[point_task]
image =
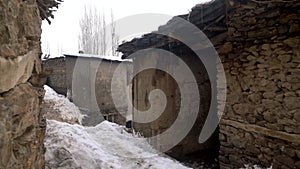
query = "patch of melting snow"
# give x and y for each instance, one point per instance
(67, 110)
(255, 167)
(105, 146)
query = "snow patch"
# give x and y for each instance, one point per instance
(255, 167)
(106, 145)
(59, 105)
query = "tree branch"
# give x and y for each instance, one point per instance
(46, 8)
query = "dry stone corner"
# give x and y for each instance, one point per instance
(22, 127)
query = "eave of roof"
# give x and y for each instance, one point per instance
(99, 57)
(212, 13)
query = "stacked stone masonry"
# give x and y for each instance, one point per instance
(21, 88)
(261, 59)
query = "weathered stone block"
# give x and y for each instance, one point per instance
(297, 164)
(16, 71)
(287, 18)
(243, 109)
(270, 117)
(269, 95)
(297, 115)
(270, 104)
(290, 94)
(255, 98)
(292, 102)
(22, 141)
(285, 160)
(292, 42)
(294, 78)
(290, 152)
(294, 28)
(252, 149)
(284, 58)
(226, 48)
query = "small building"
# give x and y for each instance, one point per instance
(162, 62)
(87, 81)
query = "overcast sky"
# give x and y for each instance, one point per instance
(62, 35)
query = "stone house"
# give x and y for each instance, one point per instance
(258, 44)
(86, 80)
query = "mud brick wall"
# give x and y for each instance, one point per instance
(261, 58)
(21, 87)
(103, 85)
(61, 72)
(93, 76)
(147, 80)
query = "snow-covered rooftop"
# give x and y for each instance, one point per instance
(107, 58)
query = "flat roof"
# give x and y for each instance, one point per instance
(101, 57)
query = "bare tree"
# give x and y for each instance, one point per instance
(103, 39)
(114, 36)
(93, 33)
(46, 54)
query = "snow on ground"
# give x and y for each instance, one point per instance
(255, 167)
(59, 107)
(105, 146)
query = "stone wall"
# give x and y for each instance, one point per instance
(261, 58)
(21, 87)
(57, 76)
